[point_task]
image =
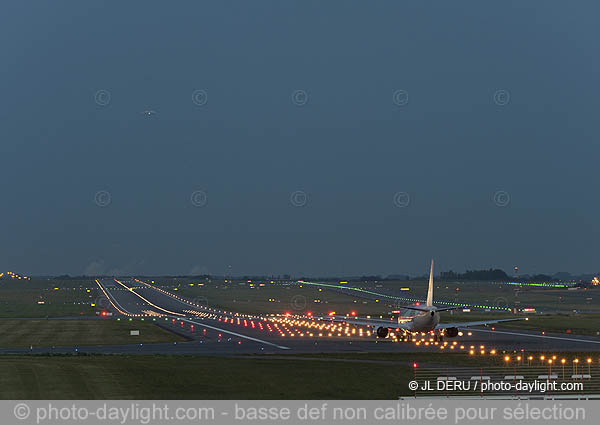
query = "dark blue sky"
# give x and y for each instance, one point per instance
(484, 113)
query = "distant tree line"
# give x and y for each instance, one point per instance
(489, 274)
(537, 278)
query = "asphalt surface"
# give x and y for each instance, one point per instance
(217, 332)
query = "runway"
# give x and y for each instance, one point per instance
(216, 332)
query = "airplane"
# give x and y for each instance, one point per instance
(427, 319)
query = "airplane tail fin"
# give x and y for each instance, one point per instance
(430, 291)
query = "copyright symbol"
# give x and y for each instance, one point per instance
(22, 411)
(199, 198)
(501, 198)
(199, 97)
(413, 385)
(299, 98)
(102, 198)
(501, 97)
(102, 97)
(298, 302)
(299, 198)
(401, 199)
(201, 302)
(400, 97)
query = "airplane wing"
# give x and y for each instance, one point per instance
(371, 322)
(482, 322)
(447, 308)
(412, 307)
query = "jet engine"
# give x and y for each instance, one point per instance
(383, 332)
(451, 332)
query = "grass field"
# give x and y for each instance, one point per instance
(60, 298)
(48, 333)
(333, 376)
(463, 359)
(187, 377)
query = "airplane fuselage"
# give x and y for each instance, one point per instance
(425, 321)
